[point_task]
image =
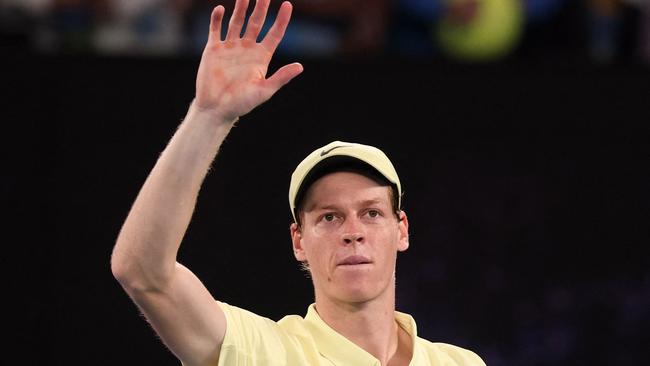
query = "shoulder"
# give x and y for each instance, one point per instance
(448, 353)
(236, 315)
(244, 324)
(245, 328)
(252, 339)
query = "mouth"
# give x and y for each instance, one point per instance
(354, 260)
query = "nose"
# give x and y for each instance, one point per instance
(350, 238)
(352, 232)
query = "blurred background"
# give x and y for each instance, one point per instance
(519, 129)
(598, 31)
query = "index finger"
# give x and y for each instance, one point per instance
(276, 33)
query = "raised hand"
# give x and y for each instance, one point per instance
(231, 79)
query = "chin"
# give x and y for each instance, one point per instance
(358, 295)
(355, 288)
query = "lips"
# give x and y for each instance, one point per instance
(354, 260)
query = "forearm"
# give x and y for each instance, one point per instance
(146, 249)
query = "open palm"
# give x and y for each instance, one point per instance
(231, 80)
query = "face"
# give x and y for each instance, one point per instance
(350, 237)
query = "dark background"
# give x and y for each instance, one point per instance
(526, 184)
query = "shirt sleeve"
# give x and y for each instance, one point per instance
(251, 339)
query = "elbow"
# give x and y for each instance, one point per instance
(125, 274)
(134, 274)
(124, 267)
(119, 268)
(119, 260)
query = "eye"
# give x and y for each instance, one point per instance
(373, 213)
(328, 217)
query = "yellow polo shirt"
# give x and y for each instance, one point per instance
(295, 341)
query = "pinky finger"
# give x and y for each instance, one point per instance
(215, 23)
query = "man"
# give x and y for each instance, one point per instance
(345, 199)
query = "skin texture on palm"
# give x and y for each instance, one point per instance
(231, 79)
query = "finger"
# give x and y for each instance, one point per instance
(281, 77)
(275, 34)
(256, 20)
(237, 20)
(215, 24)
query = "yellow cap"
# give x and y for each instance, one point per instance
(366, 154)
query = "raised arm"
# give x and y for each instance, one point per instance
(231, 81)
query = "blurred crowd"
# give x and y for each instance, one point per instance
(467, 30)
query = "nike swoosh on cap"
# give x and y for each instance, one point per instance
(325, 152)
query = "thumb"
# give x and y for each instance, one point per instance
(282, 76)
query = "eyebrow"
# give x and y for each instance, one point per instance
(369, 202)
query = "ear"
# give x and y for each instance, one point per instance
(296, 240)
(403, 226)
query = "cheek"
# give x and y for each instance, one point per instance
(319, 263)
(389, 245)
(315, 249)
(325, 232)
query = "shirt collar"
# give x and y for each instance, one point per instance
(408, 324)
(342, 351)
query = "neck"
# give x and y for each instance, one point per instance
(370, 325)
